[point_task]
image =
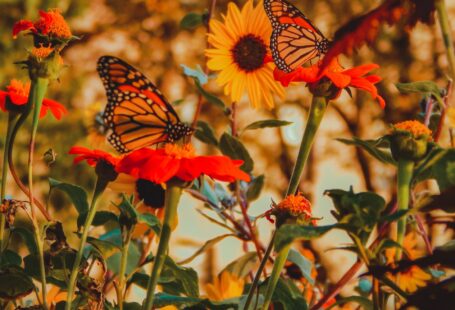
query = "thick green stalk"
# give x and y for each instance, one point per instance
(38, 89)
(446, 35)
(405, 168)
(99, 188)
(317, 110)
(9, 130)
(122, 271)
(173, 193)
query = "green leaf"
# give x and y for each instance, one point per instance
(151, 221)
(191, 20)
(28, 237)
(207, 245)
(15, 283)
(372, 148)
(232, 147)
(287, 233)
(288, 295)
(210, 97)
(364, 302)
(255, 187)
(9, 258)
(269, 123)
(164, 299)
(422, 87)
(303, 263)
(443, 170)
(205, 133)
(131, 306)
(197, 73)
(101, 218)
(106, 248)
(77, 194)
(186, 279)
(242, 265)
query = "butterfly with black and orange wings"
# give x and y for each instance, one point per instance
(295, 40)
(137, 114)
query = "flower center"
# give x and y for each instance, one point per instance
(42, 51)
(151, 193)
(19, 88)
(416, 128)
(249, 52)
(177, 151)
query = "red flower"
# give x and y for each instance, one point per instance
(340, 77)
(51, 23)
(161, 165)
(93, 157)
(17, 95)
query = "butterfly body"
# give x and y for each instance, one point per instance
(137, 114)
(295, 40)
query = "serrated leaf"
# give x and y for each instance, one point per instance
(191, 21)
(372, 148)
(205, 133)
(304, 264)
(422, 87)
(268, 123)
(210, 97)
(255, 187)
(197, 73)
(233, 148)
(207, 245)
(287, 233)
(76, 193)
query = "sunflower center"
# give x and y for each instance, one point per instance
(249, 52)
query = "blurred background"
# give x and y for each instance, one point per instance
(146, 33)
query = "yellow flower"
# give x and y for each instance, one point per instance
(413, 278)
(225, 286)
(240, 51)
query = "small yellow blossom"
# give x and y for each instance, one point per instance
(225, 286)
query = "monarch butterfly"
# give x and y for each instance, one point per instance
(295, 40)
(137, 114)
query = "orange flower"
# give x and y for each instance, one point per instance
(342, 78)
(93, 157)
(42, 51)
(160, 165)
(414, 127)
(50, 23)
(226, 286)
(16, 97)
(295, 205)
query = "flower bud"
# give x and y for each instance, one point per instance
(293, 209)
(409, 140)
(105, 171)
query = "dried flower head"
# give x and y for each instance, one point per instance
(295, 205)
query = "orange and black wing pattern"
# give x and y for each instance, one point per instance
(137, 114)
(295, 40)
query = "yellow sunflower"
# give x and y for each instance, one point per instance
(240, 51)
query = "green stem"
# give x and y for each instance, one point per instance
(446, 35)
(38, 89)
(173, 193)
(9, 130)
(405, 169)
(99, 188)
(123, 261)
(317, 110)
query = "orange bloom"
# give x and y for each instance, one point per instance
(295, 205)
(42, 51)
(342, 78)
(414, 127)
(226, 286)
(160, 165)
(93, 157)
(16, 97)
(50, 23)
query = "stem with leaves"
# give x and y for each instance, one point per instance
(99, 189)
(317, 110)
(38, 89)
(124, 259)
(172, 198)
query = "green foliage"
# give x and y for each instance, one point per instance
(422, 87)
(15, 283)
(304, 264)
(205, 133)
(232, 147)
(76, 193)
(255, 187)
(287, 233)
(242, 265)
(372, 147)
(192, 20)
(269, 123)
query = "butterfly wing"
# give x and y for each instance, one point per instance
(295, 40)
(137, 113)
